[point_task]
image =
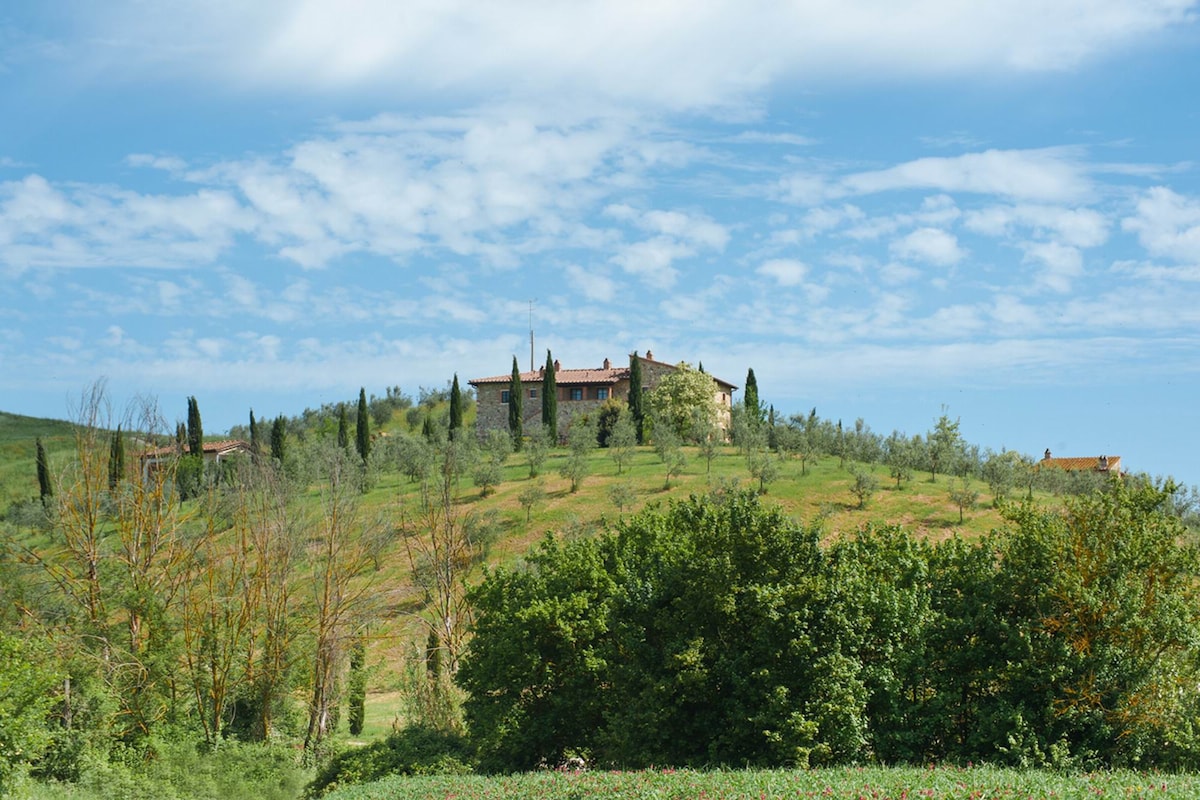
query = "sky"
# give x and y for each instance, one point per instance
(890, 210)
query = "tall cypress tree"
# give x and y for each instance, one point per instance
(358, 686)
(116, 460)
(279, 438)
(516, 419)
(636, 409)
(754, 411)
(45, 487)
(550, 401)
(195, 431)
(362, 436)
(343, 434)
(256, 438)
(456, 411)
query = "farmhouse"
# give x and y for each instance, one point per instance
(1108, 465)
(579, 392)
(213, 452)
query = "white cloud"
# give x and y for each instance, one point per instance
(594, 286)
(784, 271)
(1167, 224)
(1060, 264)
(1048, 175)
(931, 245)
(700, 54)
(1076, 227)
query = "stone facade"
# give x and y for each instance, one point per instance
(580, 391)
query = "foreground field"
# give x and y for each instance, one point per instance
(881, 783)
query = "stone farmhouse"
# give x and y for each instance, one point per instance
(579, 391)
(212, 452)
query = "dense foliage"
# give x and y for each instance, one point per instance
(719, 632)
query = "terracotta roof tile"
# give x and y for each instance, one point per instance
(1083, 464)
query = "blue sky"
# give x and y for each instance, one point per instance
(884, 208)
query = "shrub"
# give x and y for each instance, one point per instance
(415, 750)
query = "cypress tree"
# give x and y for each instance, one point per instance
(343, 434)
(550, 401)
(636, 409)
(45, 488)
(427, 429)
(180, 437)
(255, 438)
(516, 423)
(279, 438)
(362, 437)
(754, 412)
(456, 412)
(116, 460)
(358, 687)
(195, 431)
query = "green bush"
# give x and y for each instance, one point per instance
(416, 750)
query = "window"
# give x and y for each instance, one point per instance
(602, 393)
(576, 392)
(533, 394)
(504, 396)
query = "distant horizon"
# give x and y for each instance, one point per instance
(884, 210)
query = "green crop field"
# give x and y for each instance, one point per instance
(877, 783)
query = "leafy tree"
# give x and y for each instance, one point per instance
(343, 431)
(195, 431)
(581, 438)
(456, 409)
(45, 484)
(754, 410)
(532, 495)
(1001, 471)
(623, 495)
(537, 447)
(709, 438)
(26, 698)
(362, 428)
(622, 440)
(670, 450)
(516, 419)
(608, 414)
(681, 399)
(944, 446)
(763, 467)
(704, 634)
(965, 496)
(637, 411)
(489, 470)
(550, 401)
(865, 485)
(899, 457)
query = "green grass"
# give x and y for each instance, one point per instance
(18, 453)
(940, 783)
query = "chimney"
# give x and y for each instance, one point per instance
(1047, 456)
(649, 355)
(556, 365)
(607, 364)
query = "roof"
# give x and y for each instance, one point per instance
(208, 448)
(1094, 463)
(591, 377)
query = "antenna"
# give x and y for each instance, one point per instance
(531, 366)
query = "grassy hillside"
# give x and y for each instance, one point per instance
(817, 493)
(18, 452)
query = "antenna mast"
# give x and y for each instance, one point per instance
(531, 366)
